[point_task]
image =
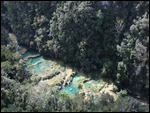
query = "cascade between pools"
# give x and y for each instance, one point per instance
(41, 66)
(38, 65)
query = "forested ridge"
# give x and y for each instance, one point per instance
(106, 37)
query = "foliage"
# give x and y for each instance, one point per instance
(133, 69)
(109, 37)
(12, 65)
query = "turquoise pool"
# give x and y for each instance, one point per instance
(76, 76)
(72, 88)
(39, 68)
(44, 66)
(95, 82)
(36, 68)
(29, 60)
(34, 60)
(87, 84)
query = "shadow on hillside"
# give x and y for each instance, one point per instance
(93, 75)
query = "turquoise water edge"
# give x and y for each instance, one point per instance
(39, 65)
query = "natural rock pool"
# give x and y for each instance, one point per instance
(29, 53)
(43, 66)
(73, 87)
(34, 60)
(39, 65)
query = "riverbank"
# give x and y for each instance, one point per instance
(66, 76)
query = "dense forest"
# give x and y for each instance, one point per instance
(110, 38)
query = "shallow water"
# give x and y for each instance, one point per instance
(87, 84)
(95, 82)
(34, 60)
(36, 68)
(44, 66)
(40, 67)
(72, 86)
(29, 60)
